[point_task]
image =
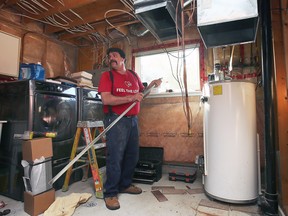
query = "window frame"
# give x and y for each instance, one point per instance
(170, 46)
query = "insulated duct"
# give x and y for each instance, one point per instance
(159, 17)
(226, 22)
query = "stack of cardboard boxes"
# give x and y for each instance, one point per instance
(38, 195)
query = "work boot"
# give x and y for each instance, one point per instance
(132, 189)
(112, 203)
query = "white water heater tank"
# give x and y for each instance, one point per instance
(230, 141)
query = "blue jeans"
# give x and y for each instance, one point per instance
(122, 142)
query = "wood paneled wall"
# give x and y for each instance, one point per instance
(57, 58)
(279, 22)
(163, 123)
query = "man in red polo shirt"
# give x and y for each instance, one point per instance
(119, 89)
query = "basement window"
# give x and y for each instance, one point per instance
(168, 65)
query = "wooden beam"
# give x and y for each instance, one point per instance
(57, 8)
(122, 29)
(280, 33)
(100, 28)
(7, 3)
(124, 24)
(91, 14)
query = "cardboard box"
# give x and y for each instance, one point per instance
(37, 204)
(36, 148)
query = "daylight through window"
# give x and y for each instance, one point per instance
(168, 65)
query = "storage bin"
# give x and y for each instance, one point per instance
(31, 71)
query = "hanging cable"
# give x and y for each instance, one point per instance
(48, 3)
(39, 4)
(54, 22)
(178, 69)
(80, 28)
(77, 15)
(61, 2)
(189, 114)
(128, 5)
(94, 40)
(66, 17)
(22, 15)
(118, 10)
(193, 7)
(27, 7)
(59, 17)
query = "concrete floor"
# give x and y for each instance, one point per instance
(195, 203)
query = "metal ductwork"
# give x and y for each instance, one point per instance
(138, 30)
(159, 17)
(226, 22)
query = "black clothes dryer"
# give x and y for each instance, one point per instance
(90, 108)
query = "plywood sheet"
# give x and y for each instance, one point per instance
(56, 58)
(163, 124)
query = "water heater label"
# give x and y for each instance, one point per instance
(217, 90)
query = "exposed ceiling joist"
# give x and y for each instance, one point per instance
(94, 13)
(78, 21)
(56, 7)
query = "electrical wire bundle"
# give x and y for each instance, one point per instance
(60, 20)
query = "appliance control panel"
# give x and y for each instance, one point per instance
(47, 87)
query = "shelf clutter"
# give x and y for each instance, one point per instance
(83, 78)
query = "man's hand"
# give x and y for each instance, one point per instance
(138, 97)
(156, 82)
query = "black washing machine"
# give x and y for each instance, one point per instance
(35, 106)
